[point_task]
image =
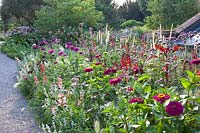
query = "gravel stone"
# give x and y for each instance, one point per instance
(15, 117)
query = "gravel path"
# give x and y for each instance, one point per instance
(14, 114)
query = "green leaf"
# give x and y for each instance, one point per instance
(190, 75)
(144, 77)
(186, 84)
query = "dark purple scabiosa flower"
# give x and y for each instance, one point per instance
(161, 98)
(51, 51)
(136, 100)
(109, 71)
(88, 69)
(60, 53)
(75, 49)
(55, 40)
(174, 109)
(81, 53)
(115, 81)
(195, 61)
(42, 48)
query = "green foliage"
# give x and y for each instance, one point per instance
(17, 46)
(131, 23)
(19, 11)
(58, 14)
(168, 12)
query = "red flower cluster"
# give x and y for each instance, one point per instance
(88, 69)
(136, 100)
(115, 81)
(126, 61)
(161, 98)
(161, 48)
(174, 109)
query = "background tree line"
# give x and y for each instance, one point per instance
(55, 14)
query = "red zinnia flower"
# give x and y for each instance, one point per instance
(161, 98)
(115, 81)
(136, 100)
(130, 89)
(89, 69)
(174, 108)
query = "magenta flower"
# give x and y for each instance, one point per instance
(195, 61)
(109, 71)
(136, 100)
(60, 53)
(51, 51)
(115, 81)
(88, 69)
(174, 109)
(75, 49)
(161, 98)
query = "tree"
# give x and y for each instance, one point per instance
(23, 11)
(63, 13)
(167, 12)
(110, 12)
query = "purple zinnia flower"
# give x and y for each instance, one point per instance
(42, 48)
(174, 109)
(161, 98)
(35, 46)
(51, 51)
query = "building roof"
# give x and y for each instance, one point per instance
(188, 23)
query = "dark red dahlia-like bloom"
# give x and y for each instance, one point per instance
(161, 98)
(136, 100)
(98, 56)
(174, 109)
(195, 61)
(115, 81)
(98, 63)
(88, 69)
(109, 71)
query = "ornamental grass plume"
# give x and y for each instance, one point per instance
(136, 100)
(115, 81)
(174, 109)
(161, 98)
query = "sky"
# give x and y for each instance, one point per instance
(120, 2)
